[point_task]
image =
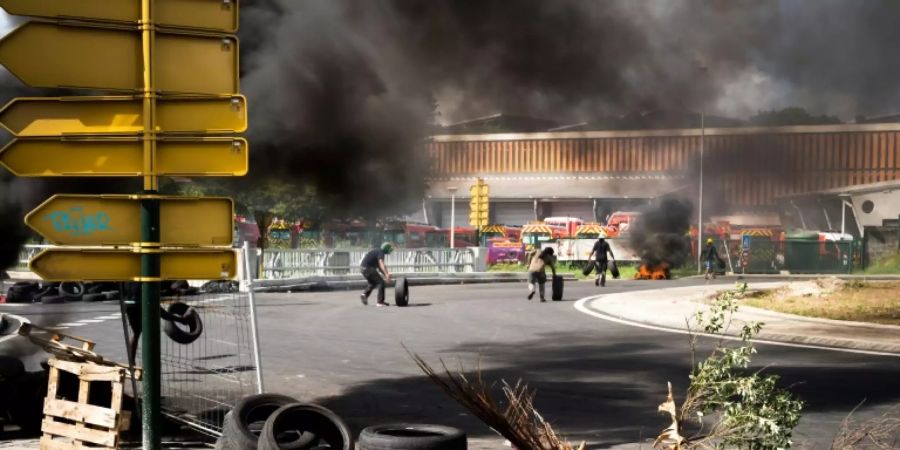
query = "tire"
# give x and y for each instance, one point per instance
(178, 285)
(46, 291)
(311, 425)
(408, 436)
(588, 268)
(16, 295)
(53, 299)
(94, 297)
(614, 270)
(557, 288)
(11, 368)
(188, 292)
(242, 425)
(186, 315)
(71, 290)
(401, 292)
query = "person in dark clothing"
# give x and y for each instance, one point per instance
(601, 249)
(372, 267)
(710, 258)
(537, 271)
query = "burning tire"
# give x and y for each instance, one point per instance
(304, 425)
(401, 292)
(407, 436)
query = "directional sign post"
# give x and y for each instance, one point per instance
(90, 220)
(174, 67)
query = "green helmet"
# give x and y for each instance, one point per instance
(387, 248)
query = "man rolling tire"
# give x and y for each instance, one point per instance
(372, 267)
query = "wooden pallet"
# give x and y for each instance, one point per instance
(75, 425)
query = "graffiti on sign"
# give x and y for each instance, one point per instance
(77, 222)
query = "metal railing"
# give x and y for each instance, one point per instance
(284, 264)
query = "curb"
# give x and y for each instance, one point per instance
(814, 342)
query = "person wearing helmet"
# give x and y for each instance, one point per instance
(372, 268)
(537, 271)
(710, 258)
(601, 249)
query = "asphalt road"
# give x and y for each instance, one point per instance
(596, 380)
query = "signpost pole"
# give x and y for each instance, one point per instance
(149, 246)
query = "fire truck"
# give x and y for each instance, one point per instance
(500, 232)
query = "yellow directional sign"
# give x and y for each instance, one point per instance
(64, 264)
(92, 220)
(202, 14)
(186, 157)
(57, 55)
(58, 116)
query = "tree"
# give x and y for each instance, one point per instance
(263, 199)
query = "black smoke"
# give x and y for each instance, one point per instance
(660, 235)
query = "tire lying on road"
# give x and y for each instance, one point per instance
(411, 436)
(73, 291)
(180, 313)
(243, 424)
(303, 426)
(401, 292)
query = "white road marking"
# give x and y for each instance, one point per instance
(581, 305)
(97, 320)
(73, 324)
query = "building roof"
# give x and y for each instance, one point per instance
(560, 186)
(501, 123)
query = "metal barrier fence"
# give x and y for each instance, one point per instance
(283, 264)
(203, 380)
(794, 256)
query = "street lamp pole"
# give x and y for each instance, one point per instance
(703, 72)
(700, 200)
(452, 216)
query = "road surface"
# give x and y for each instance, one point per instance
(596, 380)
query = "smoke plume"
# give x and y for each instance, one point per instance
(660, 234)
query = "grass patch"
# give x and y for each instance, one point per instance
(876, 302)
(886, 266)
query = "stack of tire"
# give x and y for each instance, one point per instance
(278, 422)
(52, 293)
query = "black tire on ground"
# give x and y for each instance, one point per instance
(181, 313)
(71, 289)
(309, 425)
(46, 291)
(557, 288)
(178, 285)
(16, 295)
(409, 436)
(242, 425)
(111, 295)
(614, 270)
(11, 368)
(401, 292)
(188, 291)
(53, 299)
(94, 297)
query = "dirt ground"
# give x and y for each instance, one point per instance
(831, 298)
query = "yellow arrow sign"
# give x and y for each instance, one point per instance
(56, 55)
(57, 116)
(125, 157)
(62, 264)
(91, 220)
(206, 15)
